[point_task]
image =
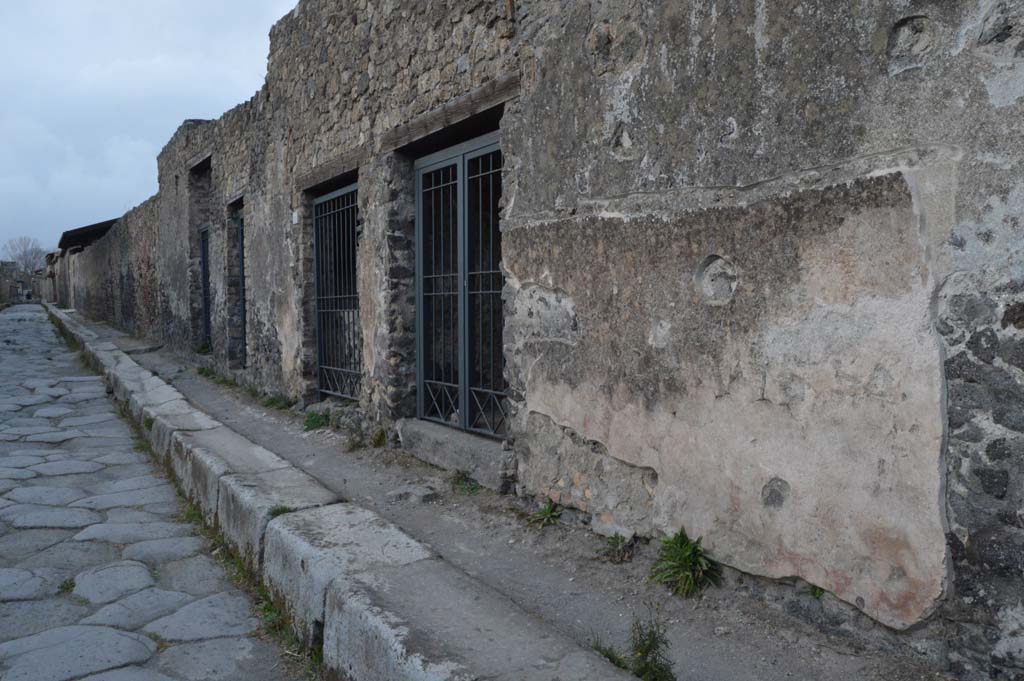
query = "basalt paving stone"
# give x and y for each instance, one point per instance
(19, 545)
(16, 473)
(129, 533)
(72, 556)
(57, 437)
(67, 467)
(23, 584)
(108, 583)
(138, 609)
(29, 430)
(133, 515)
(21, 461)
(131, 673)
(122, 458)
(52, 412)
(49, 496)
(55, 518)
(29, 421)
(66, 653)
(140, 482)
(150, 495)
(8, 485)
(223, 614)
(24, 618)
(216, 660)
(86, 420)
(163, 550)
(198, 575)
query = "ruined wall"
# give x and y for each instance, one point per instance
(764, 267)
(726, 227)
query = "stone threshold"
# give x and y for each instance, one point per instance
(380, 604)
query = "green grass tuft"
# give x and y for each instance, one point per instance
(549, 514)
(816, 591)
(380, 438)
(618, 549)
(684, 567)
(67, 586)
(315, 421)
(647, 658)
(280, 510)
(148, 423)
(276, 402)
(462, 483)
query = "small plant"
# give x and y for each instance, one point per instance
(279, 510)
(192, 514)
(683, 566)
(315, 421)
(203, 349)
(462, 483)
(548, 514)
(277, 401)
(618, 549)
(816, 591)
(647, 658)
(206, 372)
(380, 438)
(148, 423)
(67, 586)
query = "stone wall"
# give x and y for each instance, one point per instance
(764, 270)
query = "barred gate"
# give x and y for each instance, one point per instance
(339, 338)
(460, 360)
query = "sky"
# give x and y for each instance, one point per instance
(91, 90)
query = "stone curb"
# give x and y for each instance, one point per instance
(381, 604)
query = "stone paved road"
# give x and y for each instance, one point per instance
(98, 578)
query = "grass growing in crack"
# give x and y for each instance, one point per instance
(647, 658)
(315, 421)
(217, 378)
(191, 514)
(618, 549)
(380, 438)
(817, 592)
(462, 483)
(67, 586)
(276, 402)
(148, 423)
(683, 566)
(548, 514)
(280, 510)
(203, 349)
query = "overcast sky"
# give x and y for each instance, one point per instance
(91, 90)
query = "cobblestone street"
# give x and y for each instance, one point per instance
(99, 579)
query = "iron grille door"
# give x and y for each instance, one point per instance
(338, 331)
(460, 363)
(204, 273)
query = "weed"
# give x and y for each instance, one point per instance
(67, 586)
(315, 421)
(618, 549)
(280, 510)
(253, 391)
(276, 402)
(161, 643)
(683, 566)
(380, 438)
(219, 379)
(461, 482)
(816, 591)
(192, 514)
(206, 372)
(148, 423)
(647, 658)
(548, 514)
(203, 349)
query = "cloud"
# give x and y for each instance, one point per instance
(92, 89)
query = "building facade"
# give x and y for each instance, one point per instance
(746, 267)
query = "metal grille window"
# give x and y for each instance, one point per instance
(339, 335)
(459, 281)
(204, 273)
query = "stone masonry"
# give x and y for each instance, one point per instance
(763, 273)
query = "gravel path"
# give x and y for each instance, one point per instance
(98, 578)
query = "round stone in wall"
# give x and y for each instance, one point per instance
(716, 280)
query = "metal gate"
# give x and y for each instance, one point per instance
(204, 272)
(339, 338)
(460, 362)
